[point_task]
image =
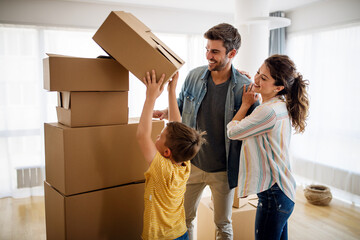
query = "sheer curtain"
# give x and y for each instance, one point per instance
(329, 150)
(25, 105)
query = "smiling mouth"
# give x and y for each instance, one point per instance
(211, 62)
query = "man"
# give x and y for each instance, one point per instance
(209, 98)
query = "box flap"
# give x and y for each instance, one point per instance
(64, 99)
(56, 55)
(163, 48)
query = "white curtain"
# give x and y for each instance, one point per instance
(329, 150)
(25, 105)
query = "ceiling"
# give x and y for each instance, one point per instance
(226, 6)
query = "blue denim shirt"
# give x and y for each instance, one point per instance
(189, 101)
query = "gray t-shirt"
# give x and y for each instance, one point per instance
(210, 118)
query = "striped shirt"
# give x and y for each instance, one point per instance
(264, 158)
(165, 185)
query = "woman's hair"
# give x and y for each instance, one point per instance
(227, 33)
(183, 141)
(283, 70)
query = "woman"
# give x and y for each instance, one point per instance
(265, 161)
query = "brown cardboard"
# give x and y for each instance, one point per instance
(64, 99)
(134, 46)
(239, 202)
(113, 213)
(84, 159)
(81, 109)
(243, 221)
(65, 73)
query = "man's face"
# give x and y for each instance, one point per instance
(216, 55)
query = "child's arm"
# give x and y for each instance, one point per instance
(173, 111)
(143, 134)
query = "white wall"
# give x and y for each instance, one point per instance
(91, 15)
(324, 14)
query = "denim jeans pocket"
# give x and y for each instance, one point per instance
(283, 203)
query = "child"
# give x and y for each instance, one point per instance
(168, 157)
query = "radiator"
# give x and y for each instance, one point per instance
(29, 177)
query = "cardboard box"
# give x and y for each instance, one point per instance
(84, 159)
(81, 109)
(239, 202)
(134, 46)
(113, 213)
(65, 73)
(243, 221)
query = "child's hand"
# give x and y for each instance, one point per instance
(153, 88)
(249, 97)
(173, 82)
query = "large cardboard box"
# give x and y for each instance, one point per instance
(84, 159)
(65, 73)
(243, 221)
(134, 46)
(81, 109)
(113, 213)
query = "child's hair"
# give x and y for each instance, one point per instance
(183, 141)
(283, 71)
(226, 33)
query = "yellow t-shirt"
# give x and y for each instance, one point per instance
(165, 185)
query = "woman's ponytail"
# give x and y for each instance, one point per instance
(297, 102)
(283, 71)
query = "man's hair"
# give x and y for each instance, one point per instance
(183, 141)
(227, 33)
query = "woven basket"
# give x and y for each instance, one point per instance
(318, 195)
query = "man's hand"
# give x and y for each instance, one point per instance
(161, 114)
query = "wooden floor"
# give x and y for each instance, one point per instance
(25, 219)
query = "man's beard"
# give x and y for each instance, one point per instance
(220, 65)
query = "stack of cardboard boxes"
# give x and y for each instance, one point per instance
(94, 167)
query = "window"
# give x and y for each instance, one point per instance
(331, 142)
(25, 105)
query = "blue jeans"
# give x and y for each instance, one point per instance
(273, 210)
(183, 237)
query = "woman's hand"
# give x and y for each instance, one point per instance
(249, 97)
(244, 73)
(153, 88)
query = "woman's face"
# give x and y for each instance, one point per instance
(265, 84)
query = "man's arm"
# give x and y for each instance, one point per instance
(143, 134)
(173, 111)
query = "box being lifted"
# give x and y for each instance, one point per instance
(134, 46)
(83, 109)
(65, 73)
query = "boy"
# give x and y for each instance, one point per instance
(168, 157)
